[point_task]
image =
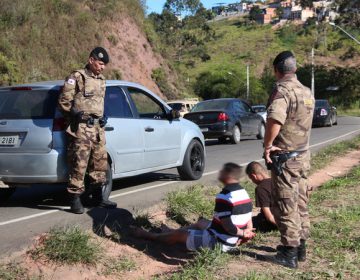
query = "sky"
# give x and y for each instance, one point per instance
(157, 5)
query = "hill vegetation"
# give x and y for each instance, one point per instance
(212, 55)
(46, 39)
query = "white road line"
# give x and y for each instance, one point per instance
(155, 186)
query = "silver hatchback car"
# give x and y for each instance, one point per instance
(143, 135)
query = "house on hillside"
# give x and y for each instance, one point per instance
(283, 4)
(301, 14)
(267, 16)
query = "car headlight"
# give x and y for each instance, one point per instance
(323, 112)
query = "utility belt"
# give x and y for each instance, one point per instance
(279, 159)
(90, 121)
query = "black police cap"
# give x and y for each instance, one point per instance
(101, 54)
(281, 57)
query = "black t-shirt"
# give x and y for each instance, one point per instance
(263, 194)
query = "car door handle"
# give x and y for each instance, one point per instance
(109, 128)
(149, 129)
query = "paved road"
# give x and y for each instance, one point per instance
(37, 209)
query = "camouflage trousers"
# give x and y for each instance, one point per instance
(86, 153)
(291, 195)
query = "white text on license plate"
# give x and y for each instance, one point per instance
(204, 129)
(8, 140)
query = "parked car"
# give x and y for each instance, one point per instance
(143, 135)
(324, 114)
(227, 118)
(261, 110)
(183, 106)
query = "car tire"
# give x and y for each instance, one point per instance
(194, 162)
(5, 194)
(106, 190)
(222, 140)
(261, 133)
(335, 120)
(236, 135)
(330, 123)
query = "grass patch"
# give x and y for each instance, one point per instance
(195, 201)
(118, 266)
(68, 246)
(355, 112)
(206, 264)
(13, 271)
(326, 155)
(335, 230)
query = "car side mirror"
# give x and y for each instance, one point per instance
(174, 114)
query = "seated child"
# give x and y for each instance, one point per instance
(264, 221)
(231, 221)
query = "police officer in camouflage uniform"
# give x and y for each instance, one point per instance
(289, 121)
(82, 103)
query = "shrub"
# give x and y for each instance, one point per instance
(68, 245)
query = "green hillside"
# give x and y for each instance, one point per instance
(46, 39)
(237, 43)
(43, 39)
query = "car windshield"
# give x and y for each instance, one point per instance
(176, 106)
(259, 109)
(211, 105)
(27, 104)
(321, 103)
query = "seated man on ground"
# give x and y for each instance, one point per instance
(231, 222)
(264, 221)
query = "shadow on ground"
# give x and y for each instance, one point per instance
(118, 221)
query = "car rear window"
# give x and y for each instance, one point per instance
(211, 105)
(259, 109)
(321, 103)
(28, 104)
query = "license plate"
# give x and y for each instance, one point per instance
(204, 129)
(8, 140)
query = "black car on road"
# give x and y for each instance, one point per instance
(227, 118)
(324, 114)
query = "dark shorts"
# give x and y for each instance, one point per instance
(198, 239)
(262, 225)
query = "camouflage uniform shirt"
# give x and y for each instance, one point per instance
(292, 105)
(83, 91)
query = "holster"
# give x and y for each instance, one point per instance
(75, 119)
(278, 161)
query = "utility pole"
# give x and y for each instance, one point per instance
(247, 82)
(312, 72)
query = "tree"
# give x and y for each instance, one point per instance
(254, 12)
(349, 11)
(279, 12)
(306, 3)
(229, 81)
(180, 7)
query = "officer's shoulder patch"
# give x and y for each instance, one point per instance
(308, 102)
(71, 81)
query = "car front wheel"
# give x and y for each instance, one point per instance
(194, 162)
(106, 190)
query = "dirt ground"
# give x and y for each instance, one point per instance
(151, 259)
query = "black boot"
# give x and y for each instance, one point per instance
(98, 197)
(76, 206)
(287, 256)
(302, 251)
